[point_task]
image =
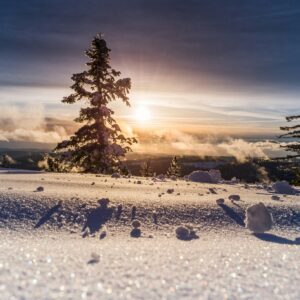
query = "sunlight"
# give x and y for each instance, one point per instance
(142, 114)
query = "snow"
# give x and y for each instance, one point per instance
(258, 218)
(283, 187)
(211, 176)
(53, 261)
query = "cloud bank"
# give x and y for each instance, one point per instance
(29, 124)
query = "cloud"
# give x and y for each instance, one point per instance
(28, 124)
(179, 143)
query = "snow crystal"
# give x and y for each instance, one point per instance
(258, 218)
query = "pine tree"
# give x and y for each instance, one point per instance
(99, 145)
(293, 132)
(146, 170)
(174, 168)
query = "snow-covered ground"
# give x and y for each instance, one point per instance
(44, 256)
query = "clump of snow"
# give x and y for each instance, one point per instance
(170, 191)
(258, 218)
(86, 233)
(212, 176)
(136, 223)
(95, 258)
(234, 197)
(215, 175)
(182, 232)
(103, 232)
(135, 232)
(283, 187)
(212, 191)
(200, 176)
(116, 175)
(185, 233)
(103, 202)
(220, 201)
(40, 189)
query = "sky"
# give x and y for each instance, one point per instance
(200, 70)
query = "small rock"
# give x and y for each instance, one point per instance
(138, 182)
(258, 218)
(170, 191)
(40, 189)
(93, 183)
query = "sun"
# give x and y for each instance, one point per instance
(142, 114)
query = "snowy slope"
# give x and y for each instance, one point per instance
(51, 260)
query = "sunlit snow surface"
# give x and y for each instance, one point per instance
(226, 262)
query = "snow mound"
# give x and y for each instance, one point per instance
(212, 176)
(283, 187)
(258, 218)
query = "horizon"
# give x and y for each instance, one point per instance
(216, 78)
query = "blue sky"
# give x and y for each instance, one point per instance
(229, 67)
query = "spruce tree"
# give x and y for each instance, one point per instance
(292, 132)
(174, 168)
(146, 170)
(99, 145)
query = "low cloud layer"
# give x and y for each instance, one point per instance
(19, 124)
(179, 143)
(29, 124)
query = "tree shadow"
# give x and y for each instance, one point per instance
(233, 215)
(47, 215)
(268, 237)
(98, 217)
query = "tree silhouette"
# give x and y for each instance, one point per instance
(146, 169)
(292, 132)
(174, 168)
(99, 145)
